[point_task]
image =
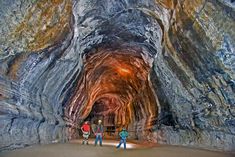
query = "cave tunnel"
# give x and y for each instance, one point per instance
(162, 69)
(116, 85)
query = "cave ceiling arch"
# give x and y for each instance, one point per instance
(179, 53)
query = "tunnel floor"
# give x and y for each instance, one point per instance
(75, 149)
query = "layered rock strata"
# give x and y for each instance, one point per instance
(61, 57)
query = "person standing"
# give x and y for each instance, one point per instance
(86, 130)
(123, 135)
(99, 133)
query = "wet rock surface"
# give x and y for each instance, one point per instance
(187, 45)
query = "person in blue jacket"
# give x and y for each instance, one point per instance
(123, 135)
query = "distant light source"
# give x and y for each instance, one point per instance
(124, 71)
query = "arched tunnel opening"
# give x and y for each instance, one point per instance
(162, 69)
(116, 88)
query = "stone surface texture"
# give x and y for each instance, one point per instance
(59, 57)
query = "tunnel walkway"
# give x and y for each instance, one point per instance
(75, 149)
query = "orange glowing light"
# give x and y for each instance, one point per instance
(124, 71)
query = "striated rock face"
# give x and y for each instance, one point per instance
(195, 74)
(165, 69)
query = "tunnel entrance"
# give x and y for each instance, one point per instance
(115, 87)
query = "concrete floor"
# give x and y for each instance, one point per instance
(75, 149)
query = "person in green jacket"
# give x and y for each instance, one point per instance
(123, 135)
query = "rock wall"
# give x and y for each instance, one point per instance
(188, 44)
(195, 75)
(38, 64)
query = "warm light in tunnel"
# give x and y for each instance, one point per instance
(123, 71)
(114, 87)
